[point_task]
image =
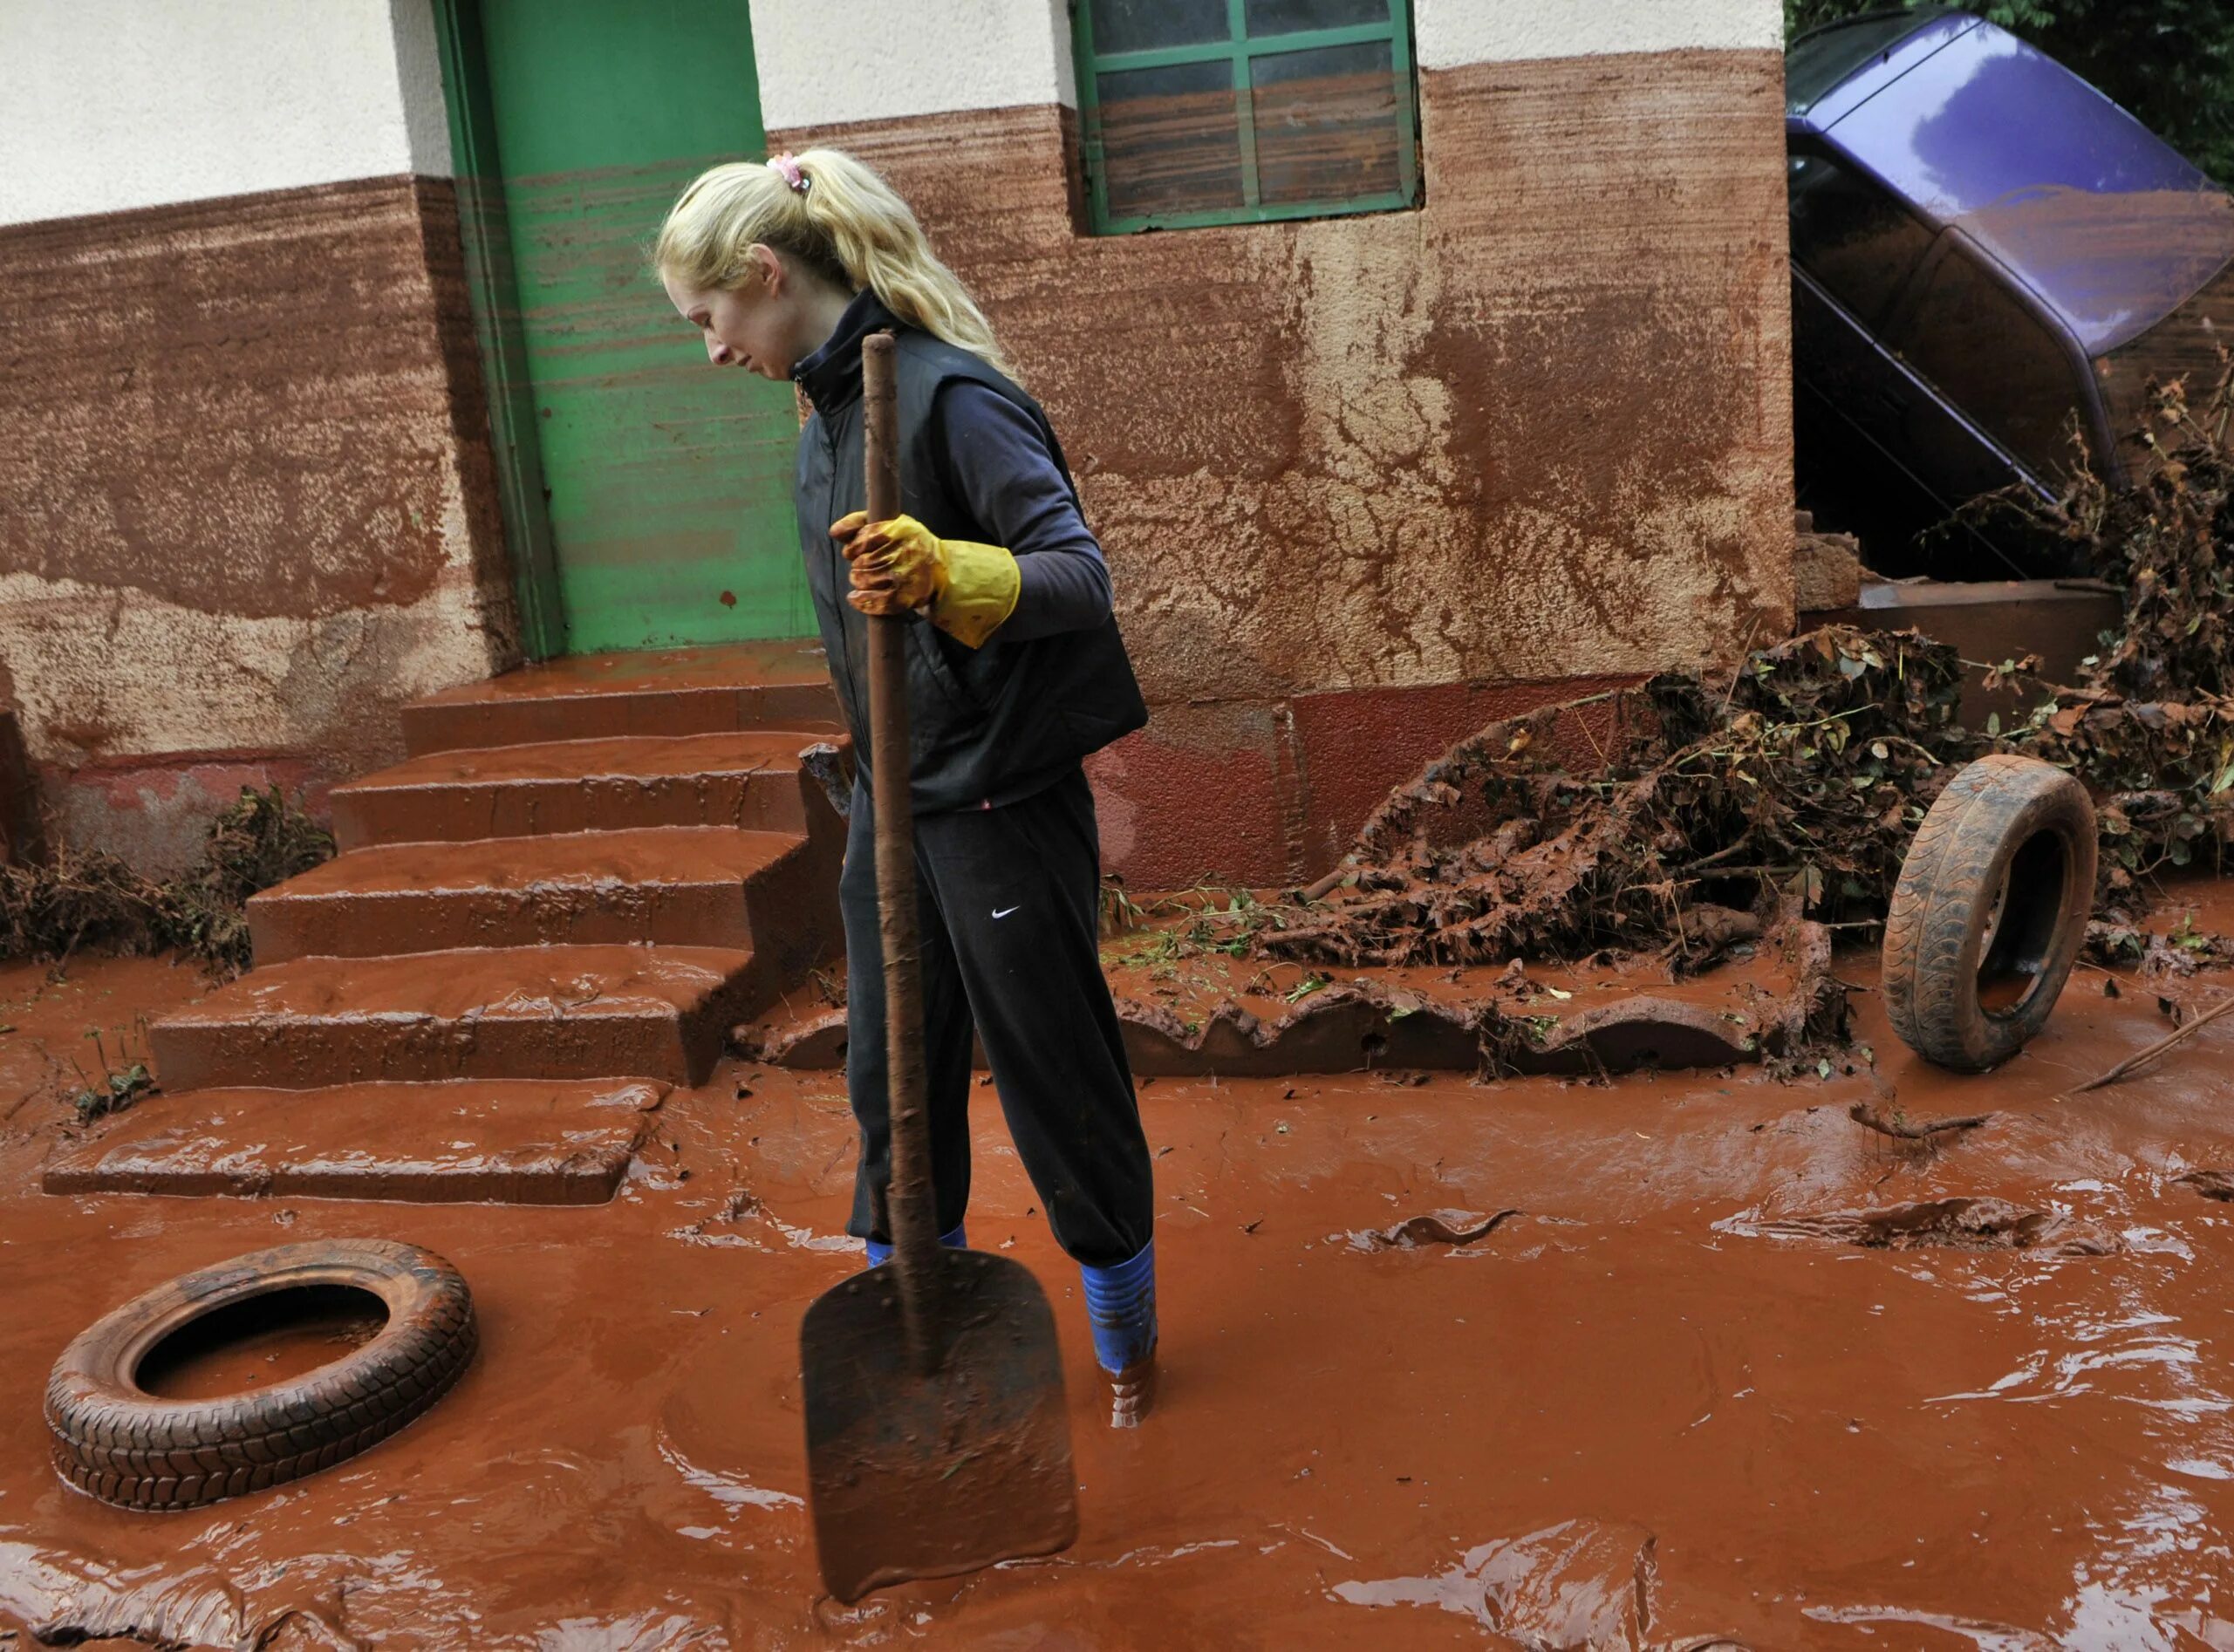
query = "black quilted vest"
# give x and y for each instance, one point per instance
(988, 725)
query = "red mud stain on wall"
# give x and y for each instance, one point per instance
(254, 427)
(241, 406)
(1192, 798)
(1270, 792)
(156, 812)
(1537, 431)
(1358, 747)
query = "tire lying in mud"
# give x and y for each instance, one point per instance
(116, 1441)
(1989, 912)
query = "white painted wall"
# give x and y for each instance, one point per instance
(1448, 33)
(824, 62)
(107, 105)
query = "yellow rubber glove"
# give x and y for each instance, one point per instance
(900, 566)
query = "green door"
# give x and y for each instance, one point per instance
(667, 484)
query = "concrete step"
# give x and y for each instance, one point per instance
(541, 1012)
(516, 1142)
(694, 691)
(748, 779)
(670, 886)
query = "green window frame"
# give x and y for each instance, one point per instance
(1239, 49)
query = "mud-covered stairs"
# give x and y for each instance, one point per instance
(580, 878)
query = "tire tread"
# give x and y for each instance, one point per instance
(1940, 903)
(113, 1440)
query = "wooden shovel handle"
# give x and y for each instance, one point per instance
(909, 1203)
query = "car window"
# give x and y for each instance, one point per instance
(1819, 61)
(1851, 235)
(1994, 359)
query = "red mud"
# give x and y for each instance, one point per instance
(1189, 1007)
(279, 1338)
(504, 1141)
(1157, 965)
(1717, 1382)
(739, 777)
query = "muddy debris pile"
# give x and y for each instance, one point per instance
(1718, 810)
(2151, 728)
(1713, 809)
(69, 899)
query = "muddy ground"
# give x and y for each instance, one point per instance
(1686, 1397)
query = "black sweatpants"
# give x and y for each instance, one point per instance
(1010, 909)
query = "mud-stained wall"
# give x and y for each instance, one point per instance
(243, 511)
(1536, 431)
(244, 506)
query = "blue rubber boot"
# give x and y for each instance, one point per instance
(1121, 1305)
(880, 1253)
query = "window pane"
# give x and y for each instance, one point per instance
(1170, 139)
(1286, 17)
(1852, 236)
(1143, 25)
(1326, 124)
(1995, 362)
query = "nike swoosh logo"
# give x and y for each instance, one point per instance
(1012, 908)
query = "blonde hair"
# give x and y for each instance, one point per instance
(846, 225)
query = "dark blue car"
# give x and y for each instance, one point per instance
(1987, 253)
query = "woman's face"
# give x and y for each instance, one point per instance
(750, 326)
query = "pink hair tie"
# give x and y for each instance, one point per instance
(790, 170)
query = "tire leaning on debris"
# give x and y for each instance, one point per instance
(115, 1441)
(1990, 911)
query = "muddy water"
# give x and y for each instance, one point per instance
(48, 1024)
(1739, 1371)
(262, 1342)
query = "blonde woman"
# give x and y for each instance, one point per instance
(1015, 672)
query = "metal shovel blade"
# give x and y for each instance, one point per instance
(916, 1476)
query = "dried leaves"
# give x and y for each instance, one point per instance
(74, 899)
(262, 840)
(77, 898)
(2151, 729)
(2168, 541)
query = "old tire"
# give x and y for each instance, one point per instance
(117, 1442)
(1989, 912)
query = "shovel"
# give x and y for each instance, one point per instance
(937, 1440)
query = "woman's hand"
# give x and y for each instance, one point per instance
(899, 566)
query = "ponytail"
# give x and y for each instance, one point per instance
(837, 217)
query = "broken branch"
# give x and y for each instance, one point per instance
(2162, 1044)
(1900, 1129)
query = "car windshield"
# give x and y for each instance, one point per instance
(1819, 61)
